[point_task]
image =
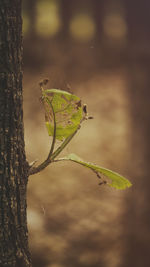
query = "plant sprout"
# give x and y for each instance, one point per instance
(64, 114)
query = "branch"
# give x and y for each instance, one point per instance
(40, 167)
(54, 133)
(63, 145)
(50, 157)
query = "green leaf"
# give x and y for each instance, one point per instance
(117, 181)
(63, 112)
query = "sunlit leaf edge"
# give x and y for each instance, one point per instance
(58, 91)
(117, 180)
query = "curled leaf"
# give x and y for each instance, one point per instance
(63, 112)
(117, 180)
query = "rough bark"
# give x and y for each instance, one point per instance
(14, 250)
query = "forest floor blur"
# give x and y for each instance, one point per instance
(74, 222)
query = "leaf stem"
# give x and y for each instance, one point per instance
(63, 145)
(54, 133)
(50, 157)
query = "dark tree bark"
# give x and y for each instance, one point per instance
(14, 250)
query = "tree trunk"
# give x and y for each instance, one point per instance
(99, 13)
(137, 217)
(14, 250)
(66, 15)
(138, 20)
(30, 6)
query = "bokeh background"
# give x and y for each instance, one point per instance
(99, 50)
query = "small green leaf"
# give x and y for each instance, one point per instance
(117, 181)
(62, 111)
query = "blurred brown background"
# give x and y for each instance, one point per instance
(99, 49)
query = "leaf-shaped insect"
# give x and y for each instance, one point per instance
(63, 112)
(117, 180)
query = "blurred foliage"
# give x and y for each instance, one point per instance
(48, 21)
(82, 24)
(115, 26)
(82, 27)
(98, 49)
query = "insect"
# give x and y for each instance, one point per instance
(85, 109)
(103, 182)
(86, 113)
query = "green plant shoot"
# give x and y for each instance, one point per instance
(63, 117)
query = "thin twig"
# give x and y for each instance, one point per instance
(40, 167)
(54, 133)
(44, 164)
(32, 163)
(63, 145)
